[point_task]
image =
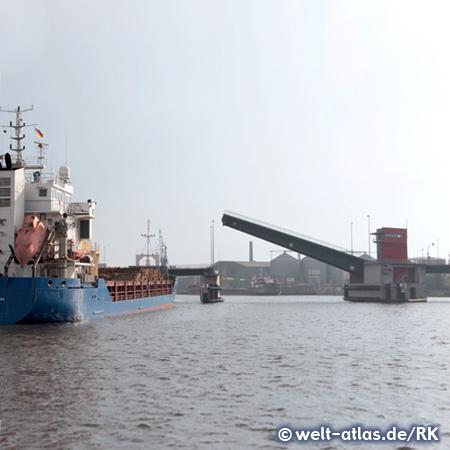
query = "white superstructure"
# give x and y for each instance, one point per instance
(25, 189)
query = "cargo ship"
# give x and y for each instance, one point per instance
(48, 263)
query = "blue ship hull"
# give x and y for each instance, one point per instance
(35, 300)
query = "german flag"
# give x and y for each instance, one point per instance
(39, 133)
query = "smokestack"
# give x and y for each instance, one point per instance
(250, 256)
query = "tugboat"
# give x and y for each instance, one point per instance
(48, 263)
(265, 286)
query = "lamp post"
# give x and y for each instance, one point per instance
(428, 251)
(351, 236)
(212, 243)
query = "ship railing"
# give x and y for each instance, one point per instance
(40, 177)
(130, 290)
(78, 208)
(37, 176)
(45, 205)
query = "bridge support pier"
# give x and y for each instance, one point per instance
(210, 292)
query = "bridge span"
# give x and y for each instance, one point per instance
(336, 258)
(389, 278)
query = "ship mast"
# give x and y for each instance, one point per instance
(41, 147)
(18, 133)
(147, 244)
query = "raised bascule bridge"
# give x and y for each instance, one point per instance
(391, 277)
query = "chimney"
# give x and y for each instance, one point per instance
(251, 251)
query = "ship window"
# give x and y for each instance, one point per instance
(84, 229)
(5, 202)
(42, 192)
(5, 192)
(5, 181)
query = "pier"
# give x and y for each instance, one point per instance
(210, 290)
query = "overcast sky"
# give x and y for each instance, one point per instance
(309, 115)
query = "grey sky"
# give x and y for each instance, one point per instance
(306, 114)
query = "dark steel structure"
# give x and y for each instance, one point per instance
(350, 263)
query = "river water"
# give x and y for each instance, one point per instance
(228, 375)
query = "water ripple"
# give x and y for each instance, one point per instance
(226, 376)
